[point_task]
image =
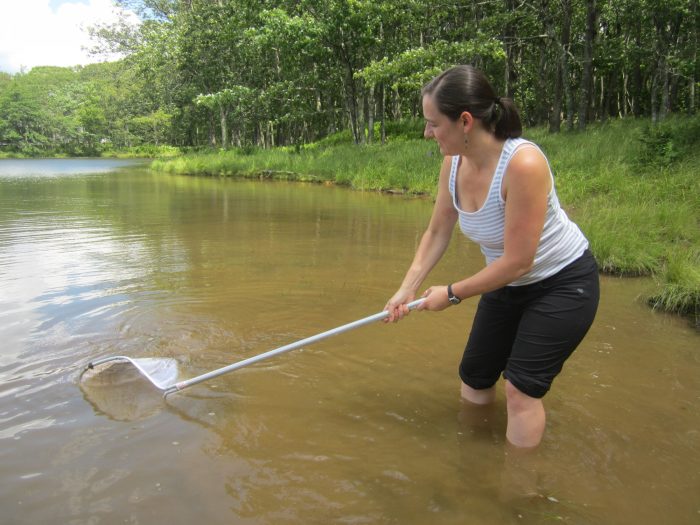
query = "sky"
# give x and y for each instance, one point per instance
(50, 32)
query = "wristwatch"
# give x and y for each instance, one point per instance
(452, 297)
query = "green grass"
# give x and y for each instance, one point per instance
(11, 155)
(400, 166)
(146, 151)
(633, 188)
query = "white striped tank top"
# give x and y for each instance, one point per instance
(561, 241)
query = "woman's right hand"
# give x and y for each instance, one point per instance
(398, 305)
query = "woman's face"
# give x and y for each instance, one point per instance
(447, 133)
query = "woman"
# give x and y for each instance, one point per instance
(539, 288)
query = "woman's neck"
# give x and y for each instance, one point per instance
(482, 149)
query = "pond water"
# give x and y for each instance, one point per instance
(366, 427)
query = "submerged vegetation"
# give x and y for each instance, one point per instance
(632, 187)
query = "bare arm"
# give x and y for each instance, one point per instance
(431, 248)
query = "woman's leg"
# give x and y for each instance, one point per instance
(484, 396)
(559, 312)
(526, 418)
(489, 345)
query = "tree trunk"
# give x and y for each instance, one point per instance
(564, 58)
(625, 93)
(587, 75)
(351, 103)
(397, 105)
(673, 92)
(544, 79)
(665, 108)
(691, 94)
(508, 43)
(212, 132)
(555, 111)
(654, 97)
(660, 67)
(614, 97)
(602, 111)
(350, 89)
(224, 127)
(382, 112)
(555, 114)
(370, 115)
(365, 111)
(692, 79)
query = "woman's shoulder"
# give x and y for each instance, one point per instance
(514, 144)
(528, 163)
(449, 165)
(525, 152)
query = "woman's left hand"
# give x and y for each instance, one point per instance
(435, 299)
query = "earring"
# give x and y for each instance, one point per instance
(466, 140)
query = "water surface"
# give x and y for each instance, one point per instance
(366, 427)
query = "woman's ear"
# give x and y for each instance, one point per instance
(467, 121)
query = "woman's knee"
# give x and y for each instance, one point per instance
(518, 401)
(482, 396)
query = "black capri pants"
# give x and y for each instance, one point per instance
(527, 332)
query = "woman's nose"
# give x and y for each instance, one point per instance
(428, 131)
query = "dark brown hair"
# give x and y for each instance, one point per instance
(465, 88)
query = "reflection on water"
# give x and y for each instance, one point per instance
(366, 427)
(43, 168)
(118, 391)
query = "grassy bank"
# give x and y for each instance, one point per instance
(406, 166)
(634, 189)
(142, 152)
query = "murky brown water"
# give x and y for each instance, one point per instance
(363, 428)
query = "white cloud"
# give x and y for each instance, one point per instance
(34, 34)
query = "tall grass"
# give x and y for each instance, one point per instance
(144, 151)
(406, 166)
(633, 188)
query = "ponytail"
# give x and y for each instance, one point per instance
(465, 88)
(507, 125)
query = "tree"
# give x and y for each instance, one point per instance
(279, 72)
(237, 100)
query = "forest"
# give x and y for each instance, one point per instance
(198, 74)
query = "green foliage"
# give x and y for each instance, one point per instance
(411, 128)
(334, 139)
(146, 151)
(666, 142)
(413, 68)
(680, 284)
(77, 111)
(233, 73)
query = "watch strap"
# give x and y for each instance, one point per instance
(451, 296)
